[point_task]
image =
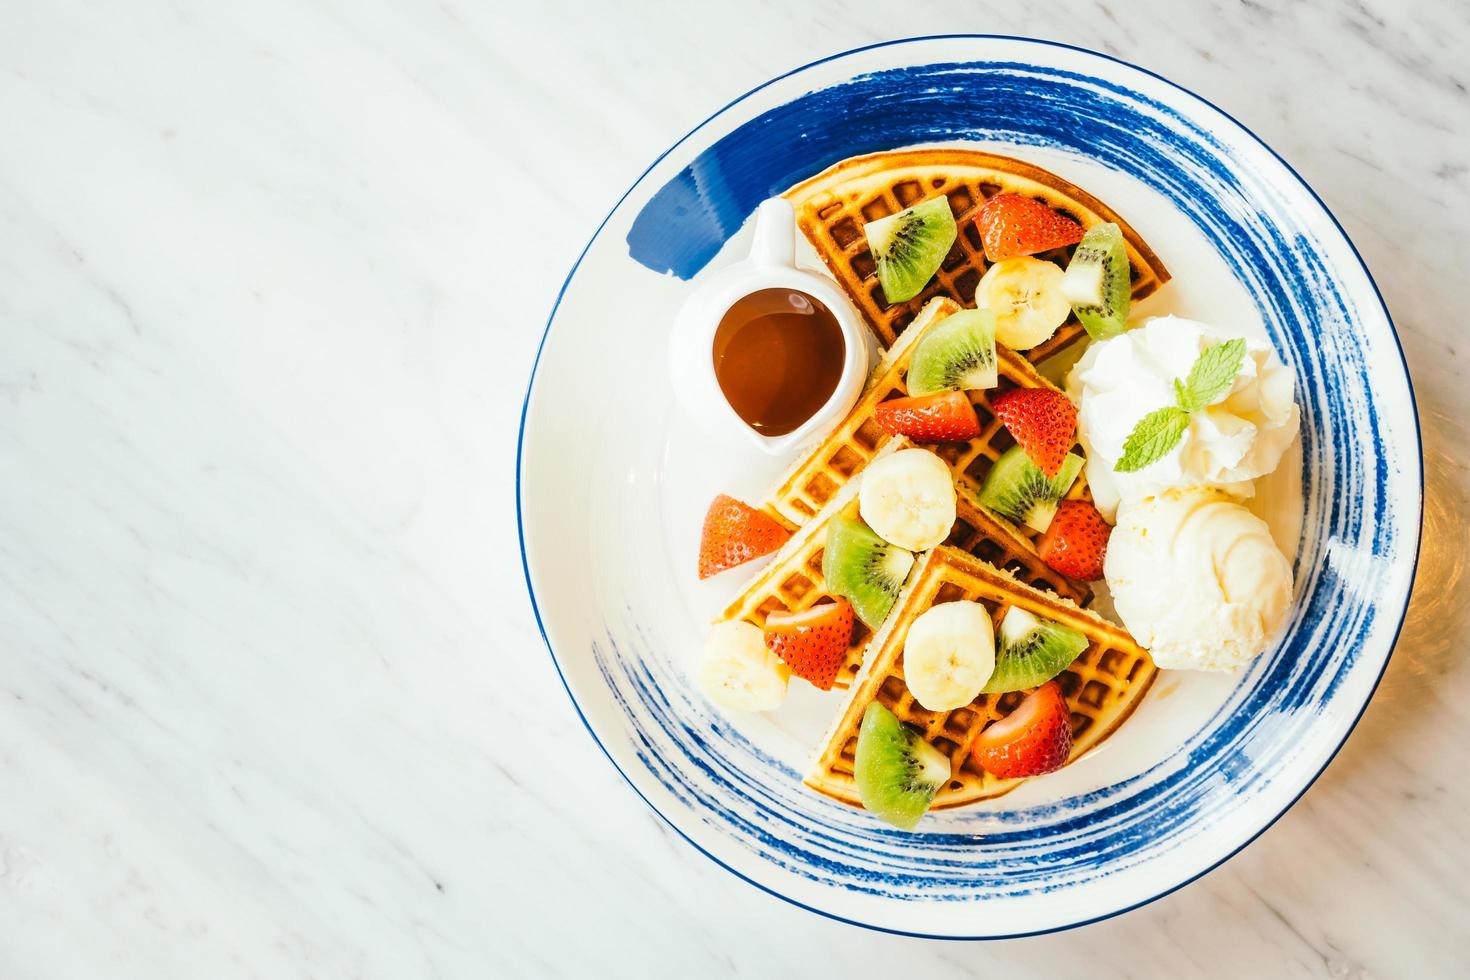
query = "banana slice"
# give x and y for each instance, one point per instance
(737, 672)
(1026, 296)
(908, 499)
(949, 654)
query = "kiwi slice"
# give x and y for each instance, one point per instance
(1032, 651)
(909, 246)
(864, 569)
(897, 772)
(1097, 282)
(1016, 488)
(956, 354)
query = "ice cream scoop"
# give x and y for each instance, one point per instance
(1197, 579)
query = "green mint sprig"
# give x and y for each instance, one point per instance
(1158, 432)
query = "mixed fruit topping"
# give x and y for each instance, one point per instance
(1035, 738)
(1076, 542)
(1012, 225)
(1003, 657)
(896, 771)
(735, 533)
(1042, 421)
(738, 672)
(949, 655)
(1017, 488)
(908, 247)
(1097, 282)
(1032, 651)
(813, 642)
(956, 354)
(945, 416)
(863, 568)
(950, 658)
(908, 499)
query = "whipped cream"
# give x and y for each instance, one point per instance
(1239, 437)
(1197, 579)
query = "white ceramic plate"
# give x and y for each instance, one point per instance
(613, 483)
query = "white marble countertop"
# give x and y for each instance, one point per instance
(271, 276)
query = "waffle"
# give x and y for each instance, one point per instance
(825, 469)
(1102, 686)
(793, 579)
(832, 207)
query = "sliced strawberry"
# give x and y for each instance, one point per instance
(1043, 422)
(735, 533)
(1076, 542)
(944, 417)
(1033, 739)
(1012, 225)
(813, 642)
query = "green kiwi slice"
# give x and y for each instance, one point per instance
(1031, 652)
(897, 772)
(864, 569)
(956, 354)
(1016, 488)
(1097, 282)
(909, 246)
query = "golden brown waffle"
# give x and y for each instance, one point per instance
(793, 579)
(832, 208)
(1102, 686)
(825, 469)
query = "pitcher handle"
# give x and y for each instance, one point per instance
(775, 234)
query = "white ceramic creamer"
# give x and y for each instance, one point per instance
(771, 264)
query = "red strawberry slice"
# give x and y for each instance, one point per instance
(944, 417)
(813, 642)
(735, 533)
(1033, 739)
(1012, 225)
(1043, 422)
(1076, 542)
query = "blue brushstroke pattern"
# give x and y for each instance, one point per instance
(687, 221)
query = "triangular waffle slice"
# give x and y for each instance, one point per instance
(793, 579)
(1102, 686)
(832, 208)
(822, 471)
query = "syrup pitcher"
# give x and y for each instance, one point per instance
(767, 351)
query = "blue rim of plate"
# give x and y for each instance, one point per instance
(1419, 451)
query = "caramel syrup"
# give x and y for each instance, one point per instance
(778, 357)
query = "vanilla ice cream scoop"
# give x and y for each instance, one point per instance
(1197, 579)
(1229, 443)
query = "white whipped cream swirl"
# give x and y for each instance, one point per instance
(1239, 437)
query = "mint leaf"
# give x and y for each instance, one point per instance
(1212, 376)
(1158, 432)
(1152, 438)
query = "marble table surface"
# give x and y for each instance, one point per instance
(274, 705)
